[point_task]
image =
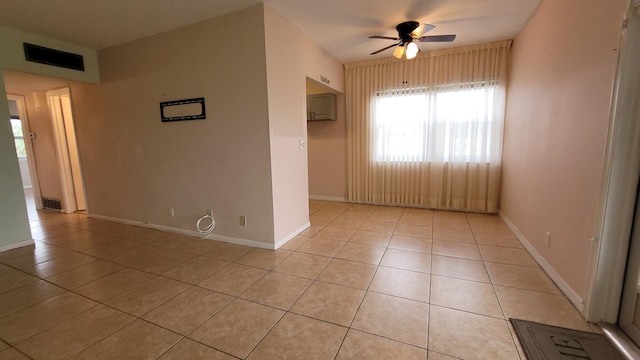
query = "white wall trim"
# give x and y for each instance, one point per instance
(327, 198)
(292, 235)
(16, 245)
(245, 242)
(566, 289)
(186, 232)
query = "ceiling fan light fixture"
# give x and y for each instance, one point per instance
(398, 52)
(412, 50)
(408, 33)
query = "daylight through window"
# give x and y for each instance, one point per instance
(18, 137)
(444, 126)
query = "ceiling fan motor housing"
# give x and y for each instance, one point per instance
(408, 32)
(405, 29)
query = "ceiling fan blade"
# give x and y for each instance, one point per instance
(422, 29)
(383, 37)
(384, 48)
(437, 38)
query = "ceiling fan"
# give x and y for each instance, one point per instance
(409, 31)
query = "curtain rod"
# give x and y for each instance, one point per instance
(506, 44)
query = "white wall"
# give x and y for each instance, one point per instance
(558, 101)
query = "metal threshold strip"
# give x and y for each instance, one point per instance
(621, 342)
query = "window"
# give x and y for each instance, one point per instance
(424, 126)
(18, 137)
(400, 125)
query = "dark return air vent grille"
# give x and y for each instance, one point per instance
(43, 55)
(53, 204)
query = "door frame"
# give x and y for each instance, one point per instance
(69, 201)
(31, 159)
(630, 290)
(621, 176)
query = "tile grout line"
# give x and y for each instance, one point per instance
(495, 293)
(396, 224)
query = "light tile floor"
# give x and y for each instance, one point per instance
(363, 282)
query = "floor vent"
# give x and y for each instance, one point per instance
(53, 204)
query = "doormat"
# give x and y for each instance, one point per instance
(546, 342)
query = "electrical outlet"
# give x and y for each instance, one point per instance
(243, 220)
(547, 239)
(172, 213)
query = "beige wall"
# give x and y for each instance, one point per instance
(287, 70)
(559, 94)
(137, 167)
(327, 148)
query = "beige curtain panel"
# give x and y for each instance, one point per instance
(427, 132)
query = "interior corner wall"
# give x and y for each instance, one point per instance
(137, 168)
(288, 67)
(14, 220)
(559, 95)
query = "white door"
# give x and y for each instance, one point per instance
(629, 320)
(73, 196)
(629, 316)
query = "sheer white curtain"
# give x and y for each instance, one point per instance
(427, 132)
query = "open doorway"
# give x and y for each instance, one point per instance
(24, 150)
(326, 143)
(49, 134)
(73, 192)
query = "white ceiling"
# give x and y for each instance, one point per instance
(341, 27)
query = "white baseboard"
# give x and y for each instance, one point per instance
(16, 245)
(566, 289)
(245, 242)
(327, 198)
(186, 232)
(291, 236)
